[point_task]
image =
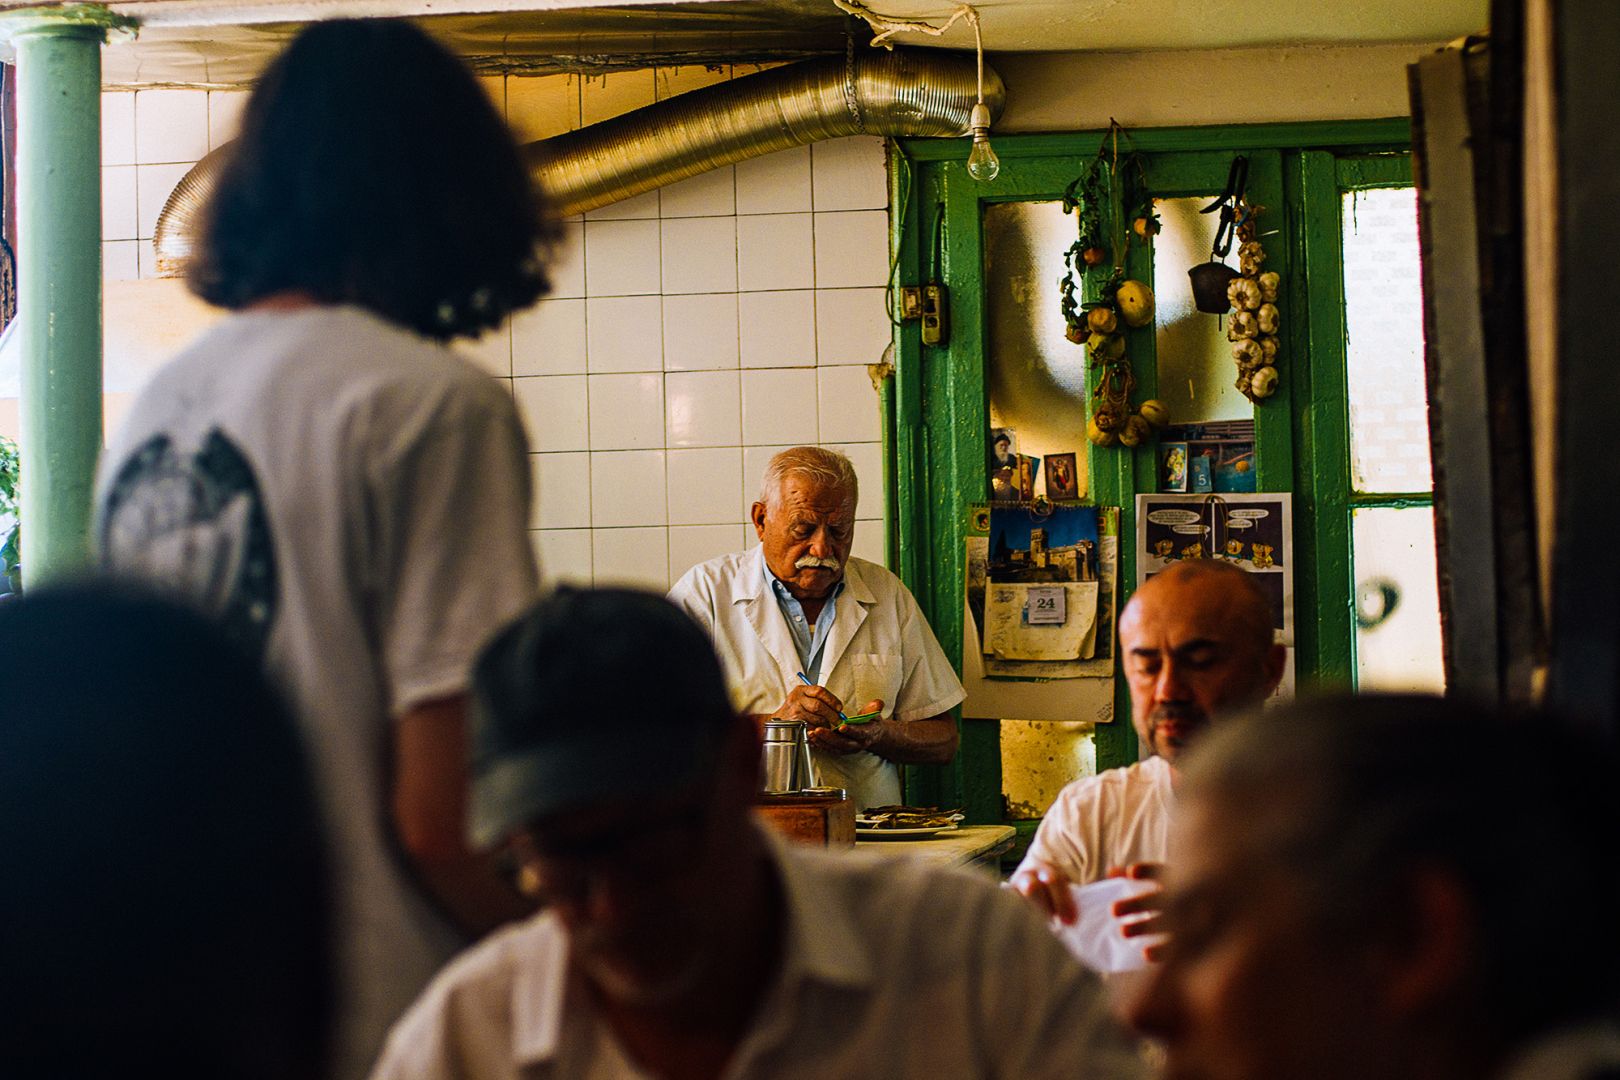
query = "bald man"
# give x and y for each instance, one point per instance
(1196, 641)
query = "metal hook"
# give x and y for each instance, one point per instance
(1237, 178)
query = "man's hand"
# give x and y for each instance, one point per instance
(1047, 888)
(1150, 903)
(841, 738)
(817, 706)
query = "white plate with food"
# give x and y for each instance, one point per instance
(862, 833)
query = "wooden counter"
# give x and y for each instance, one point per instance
(970, 845)
(816, 819)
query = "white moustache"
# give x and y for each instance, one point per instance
(811, 562)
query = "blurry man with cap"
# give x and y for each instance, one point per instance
(1391, 888)
(678, 939)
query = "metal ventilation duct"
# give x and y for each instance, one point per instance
(897, 92)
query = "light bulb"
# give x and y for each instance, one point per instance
(982, 163)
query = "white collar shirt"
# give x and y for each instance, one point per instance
(1116, 818)
(890, 969)
(879, 646)
(1589, 1051)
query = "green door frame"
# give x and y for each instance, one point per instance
(1333, 500)
(936, 405)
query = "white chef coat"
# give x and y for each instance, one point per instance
(880, 646)
(1116, 818)
(891, 968)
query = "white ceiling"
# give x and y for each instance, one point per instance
(1118, 25)
(221, 41)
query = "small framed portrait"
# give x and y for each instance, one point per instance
(1028, 469)
(1062, 478)
(1173, 466)
(1003, 465)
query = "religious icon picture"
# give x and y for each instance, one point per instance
(1173, 473)
(1062, 477)
(1028, 469)
(1003, 465)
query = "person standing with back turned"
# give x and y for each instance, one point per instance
(346, 494)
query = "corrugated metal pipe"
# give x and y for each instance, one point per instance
(872, 92)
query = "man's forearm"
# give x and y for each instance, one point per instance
(918, 742)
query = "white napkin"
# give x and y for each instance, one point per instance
(1095, 936)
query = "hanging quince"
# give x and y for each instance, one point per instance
(1122, 304)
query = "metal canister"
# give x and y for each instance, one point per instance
(786, 746)
(808, 776)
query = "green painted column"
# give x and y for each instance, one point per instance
(58, 58)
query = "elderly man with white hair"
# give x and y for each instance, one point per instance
(800, 604)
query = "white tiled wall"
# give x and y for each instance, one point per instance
(691, 332)
(149, 140)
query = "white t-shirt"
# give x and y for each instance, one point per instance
(1589, 1050)
(354, 502)
(893, 969)
(880, 646)
(1118, 817)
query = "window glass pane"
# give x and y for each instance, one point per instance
(1383, 309)
(1036, 375)
(1196, 372)
(1397, 600)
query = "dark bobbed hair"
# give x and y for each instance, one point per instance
(372, 170)
(165, 910)
(1354, 794)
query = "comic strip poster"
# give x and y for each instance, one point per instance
(1252, 532)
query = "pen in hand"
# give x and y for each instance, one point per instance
(806, 680)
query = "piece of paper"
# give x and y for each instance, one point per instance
(1095, 937)
(1045, 690)
(1011, 635)
(982, 672)
(1048, 606)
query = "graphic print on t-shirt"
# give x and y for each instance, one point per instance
(196, 523)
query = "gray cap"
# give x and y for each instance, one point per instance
(593, 695)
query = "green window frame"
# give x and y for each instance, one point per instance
(1327, 178)
(936, 409)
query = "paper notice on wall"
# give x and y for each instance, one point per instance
(1096, 656)
(1254, 533)
(1012, 635)
(1054, 690)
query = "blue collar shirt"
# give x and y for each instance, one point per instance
(809, 641)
